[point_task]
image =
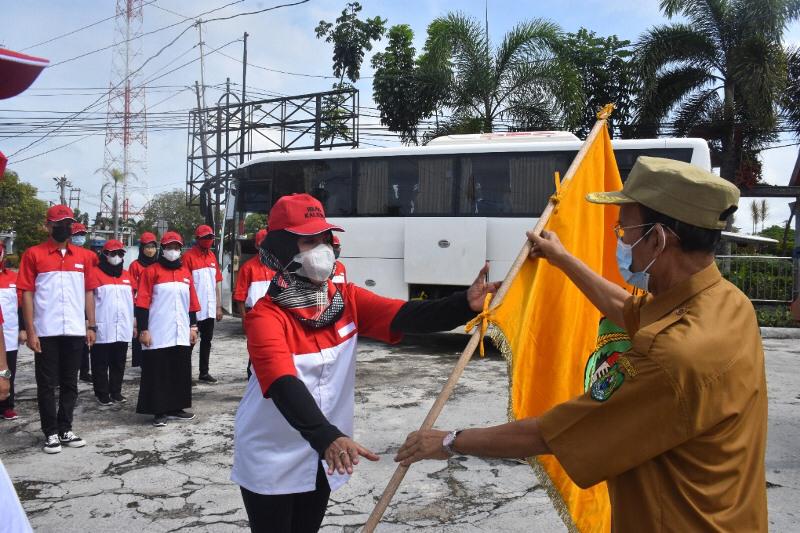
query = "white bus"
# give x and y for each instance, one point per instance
(421, 221)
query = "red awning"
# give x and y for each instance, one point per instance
(3, 162)
(18, 71)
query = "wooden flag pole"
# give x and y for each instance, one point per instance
(474, 341)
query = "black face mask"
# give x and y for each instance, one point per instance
(61, 233)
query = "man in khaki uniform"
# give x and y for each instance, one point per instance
(678, 425)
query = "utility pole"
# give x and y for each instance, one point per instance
(62, 183)
(202, 63)
(244, 94)
(201, 118)
(74, 199)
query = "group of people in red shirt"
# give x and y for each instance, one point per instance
(67, 302)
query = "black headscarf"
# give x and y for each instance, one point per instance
(108, 268)
(143, 259)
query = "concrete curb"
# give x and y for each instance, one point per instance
(780, 333)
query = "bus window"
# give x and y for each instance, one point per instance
(405, 186)
(330, 182)
(485, 185)
(533, 179)
(373, 186)
(288, 179)
(626, 158)
(435, 186)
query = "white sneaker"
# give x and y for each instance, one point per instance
(52, 444)
(71, 440)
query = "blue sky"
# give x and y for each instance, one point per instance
(282, 39)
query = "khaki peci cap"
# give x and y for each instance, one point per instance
(679, 190)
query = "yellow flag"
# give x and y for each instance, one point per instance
(547, 328)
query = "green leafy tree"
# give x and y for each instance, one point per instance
(398, 89)
(171, 206)
(607, 74)
(352, 38)
(254, 222)
(525, 82)
(718, 75)
(21, 211)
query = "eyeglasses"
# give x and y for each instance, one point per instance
(619, 231)
(117, 253)
(207, 238)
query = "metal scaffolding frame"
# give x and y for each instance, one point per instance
(219, 140)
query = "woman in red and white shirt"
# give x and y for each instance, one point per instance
(148, 248)
(113, 300)
(166, 315)
(252, 280)
(296, 416)
(13, 333)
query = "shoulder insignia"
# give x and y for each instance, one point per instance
(603, 388)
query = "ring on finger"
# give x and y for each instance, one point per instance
(342, 452)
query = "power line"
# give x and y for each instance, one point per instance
(93, 24)
(159, 52)
(157, 30)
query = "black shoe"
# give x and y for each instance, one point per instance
(118, 398)
(159, 421)
(180, 414)
(208, 378)
(104, 401)
(52, 444)
(71, 440)
(86, 377)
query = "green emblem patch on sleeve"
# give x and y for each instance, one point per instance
(612, 342)
(604, 387)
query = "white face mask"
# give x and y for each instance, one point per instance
(113, 260)
(79, 240)
(316, 264)
(172, 255)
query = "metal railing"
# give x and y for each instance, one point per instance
(763, 278)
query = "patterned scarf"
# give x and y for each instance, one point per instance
(314, 306)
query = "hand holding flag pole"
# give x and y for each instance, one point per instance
(480, 323)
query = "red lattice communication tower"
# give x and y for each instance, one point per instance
(126, 119)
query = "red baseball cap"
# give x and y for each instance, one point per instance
(77, 227)
(260, 234)
(300, 214)
(147, 238)
(58, 213)
(113, 245)
(203, 231)
(170, 237)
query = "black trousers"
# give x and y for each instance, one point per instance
(85, 361)
(11, 357)
(108, 367)
(57, 368)
(288, 513)
(136, 352)
(206, 330)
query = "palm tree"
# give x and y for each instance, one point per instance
(720, 75)
(117, 177)
(524, 82)
(791, 99)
